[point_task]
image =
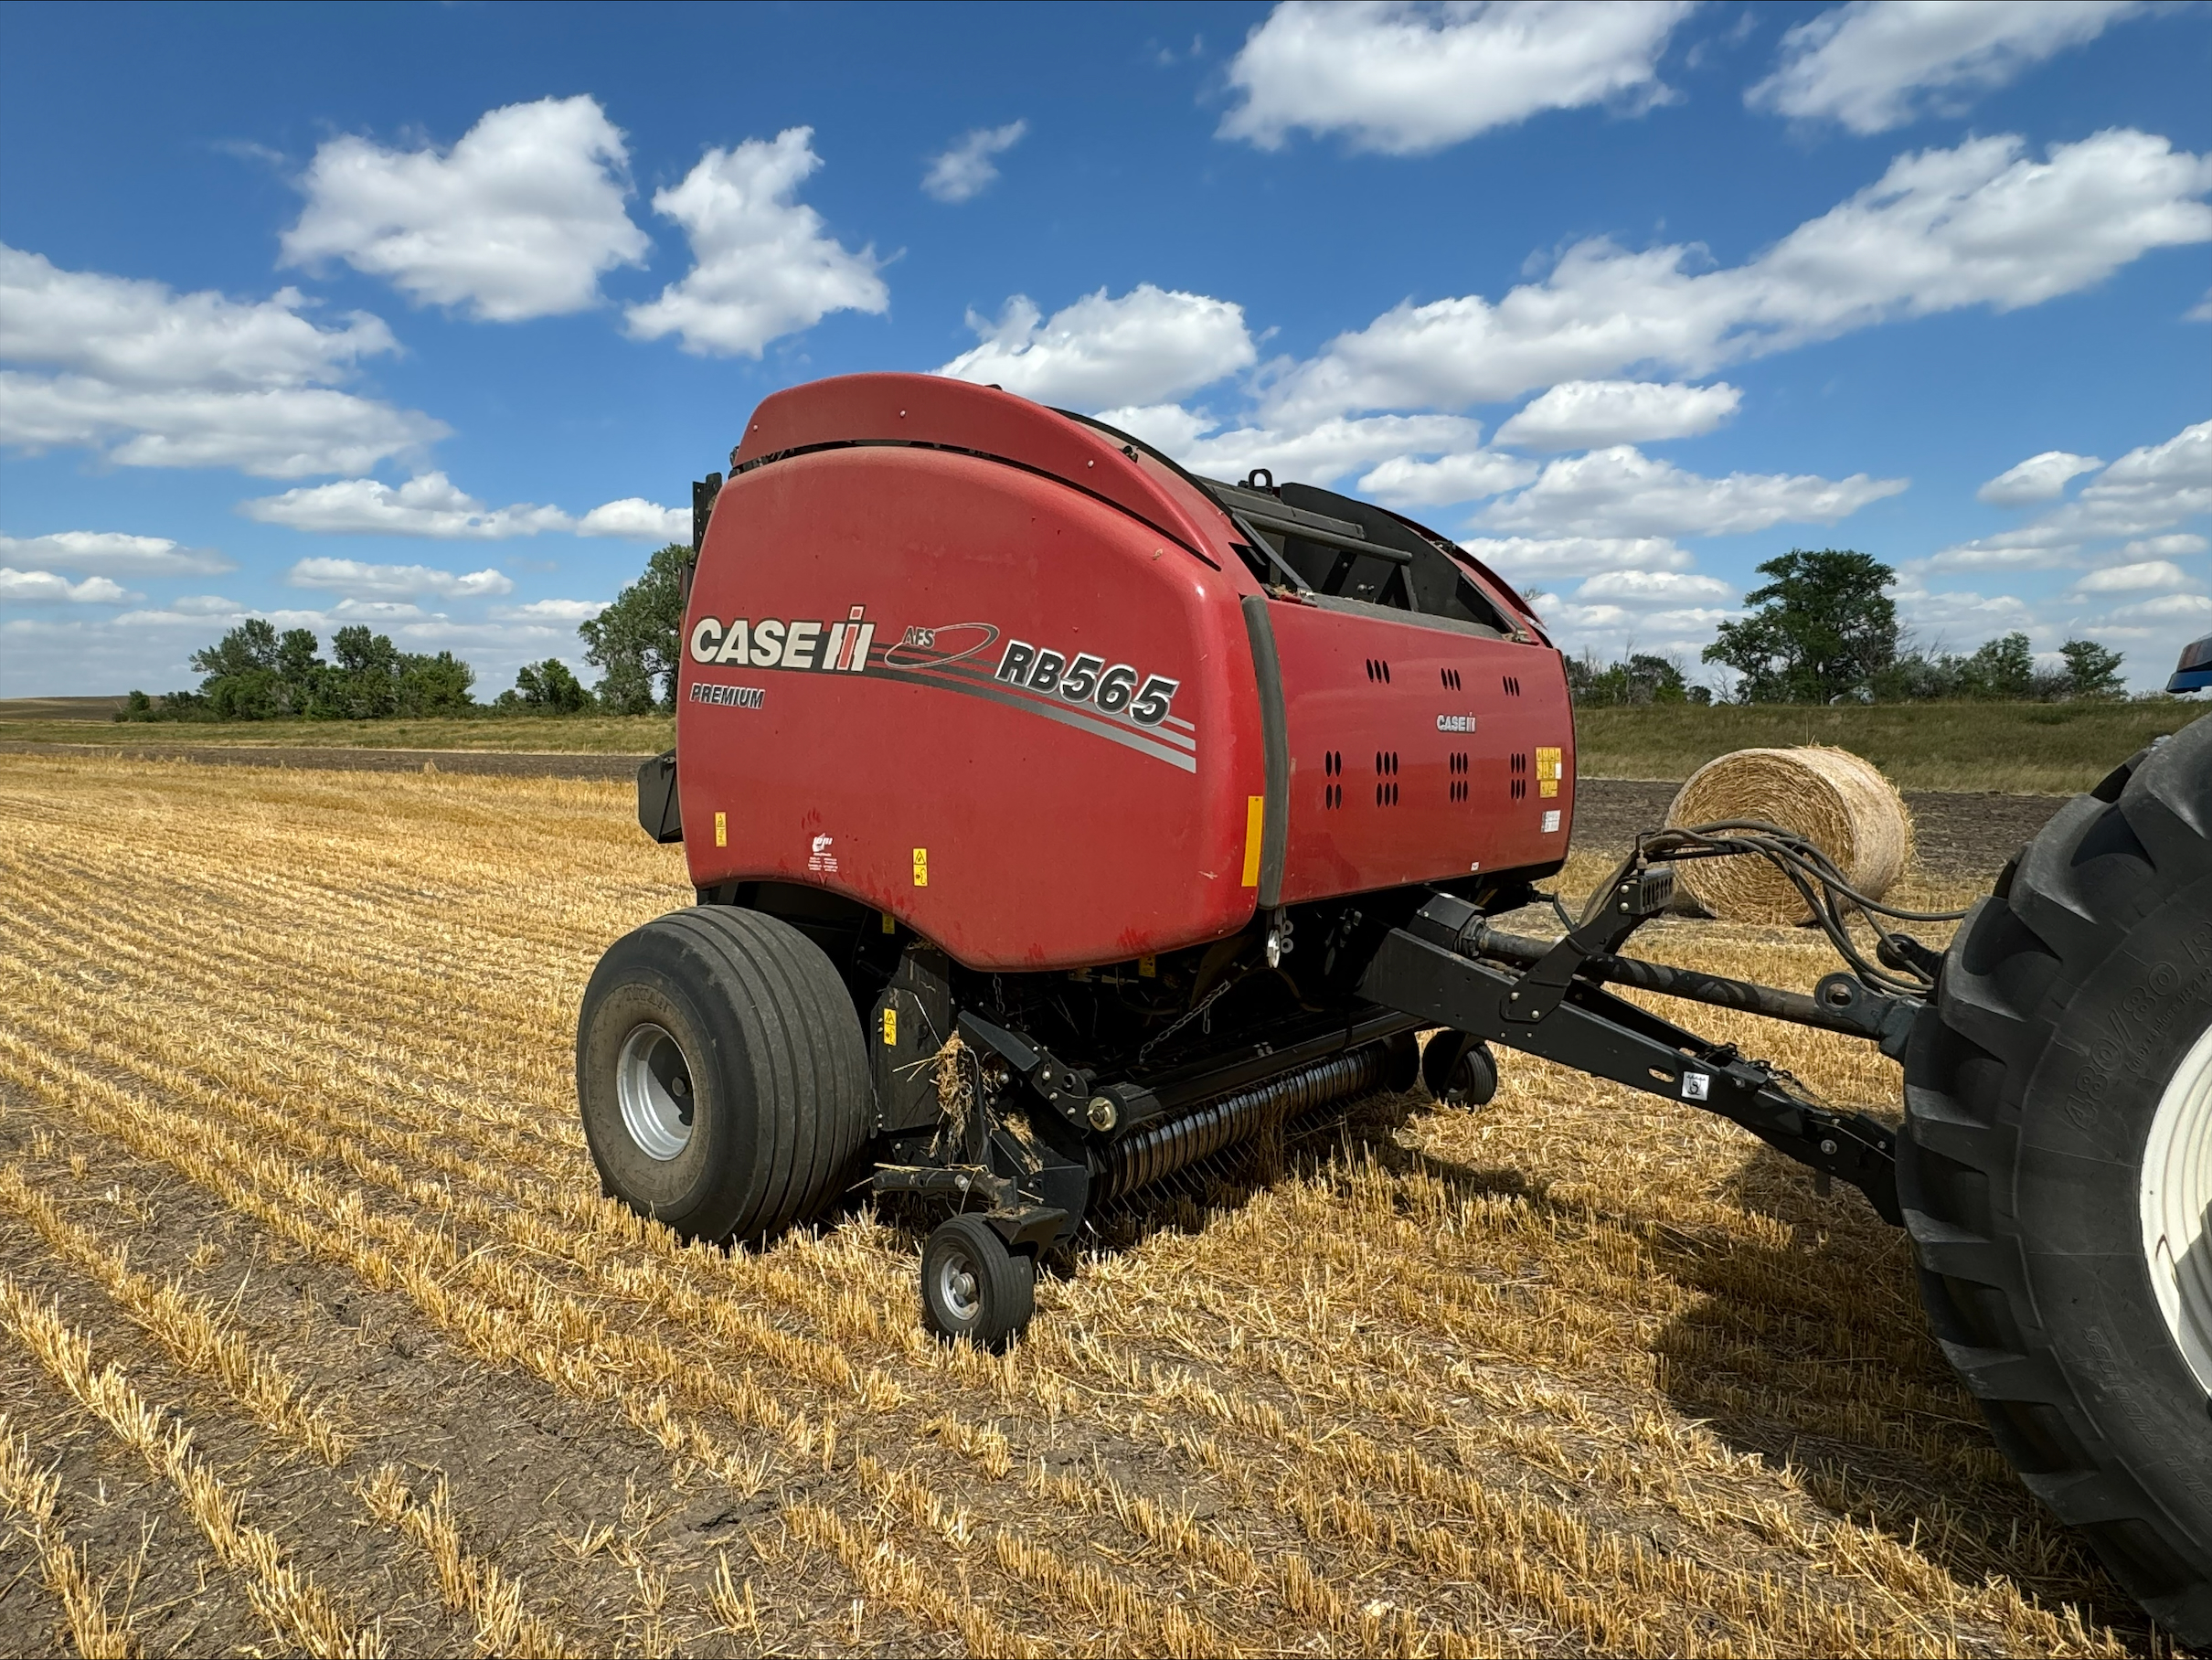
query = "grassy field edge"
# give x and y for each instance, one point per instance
(2033, 748)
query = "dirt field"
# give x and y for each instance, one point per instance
(315, 1334)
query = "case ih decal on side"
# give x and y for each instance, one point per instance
(773, 644)
(1113, 701)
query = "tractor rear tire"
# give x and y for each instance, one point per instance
(722, 1074)
(2057, 1164)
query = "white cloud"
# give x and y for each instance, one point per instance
(2130, 579)
(155, 379)
(761, 265)
(1402, 481)
(1404, 78)
(1325, 452)
(2039, 478)
(427, 505)
(517, 220)
(377, 611)
(567, 612)
(1168, 427)
(1552, 557)
(2192, 608)
(966, 169)
(46, 585)
(1621, 492)
(2147, 490)
(1584, 414)
(2163, 547)
(1653, 588)
(1960, 615)
(1149, 346)
(1982, 224)
(1873, 68)
(362, 581)
(113, 552)
(635, 519)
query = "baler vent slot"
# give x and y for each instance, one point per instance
(1512, 686)
(1451, 678)
(1459, 775)
(1386, 773)
(1331, 764)
(1520, 777)
(1378, 671)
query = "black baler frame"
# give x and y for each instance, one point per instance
(1445, 966)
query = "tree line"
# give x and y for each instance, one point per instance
(1822, 630)
(253, 673)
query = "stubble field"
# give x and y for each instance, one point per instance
(316, 1336)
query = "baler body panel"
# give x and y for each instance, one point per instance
(1018, 826)
(1408, 740)
(981, 667)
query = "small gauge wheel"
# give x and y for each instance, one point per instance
(974, 1286)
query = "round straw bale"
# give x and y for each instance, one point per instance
(1839, 803)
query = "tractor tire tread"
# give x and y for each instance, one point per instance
(2060, 911)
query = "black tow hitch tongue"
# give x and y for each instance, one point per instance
(1557, 1008)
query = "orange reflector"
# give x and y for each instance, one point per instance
(1255, 816)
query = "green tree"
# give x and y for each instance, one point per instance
(434, 685)
(1823, 628)
(1642, 679)
(2092, 670)
(634, 641)
(2003, 670)
(362, 682)
(547, 688)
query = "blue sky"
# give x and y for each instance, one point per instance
(426, 315)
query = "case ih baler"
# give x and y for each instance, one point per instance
(1059, 819)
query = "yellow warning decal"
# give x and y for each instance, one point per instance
(1255, 821)
(889, 924)
(1547, 773)
(891, 1025)
(721, 829)
(921, 866)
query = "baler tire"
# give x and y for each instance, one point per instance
(772, 1049)
(2072, 1013)
(1459, 1069)
(973, 1285)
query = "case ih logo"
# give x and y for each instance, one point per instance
(773, 644)
(1113, 701)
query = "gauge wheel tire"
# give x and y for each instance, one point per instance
(973, 1285)
(721, 1073)
(1459, 1069)
(2058, 1105)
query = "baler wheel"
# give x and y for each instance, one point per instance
(1459, 1069)
(973, 1285)
(722, 1072)
(2055, 1170)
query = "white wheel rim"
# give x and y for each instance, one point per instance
(653, 1080)
(2176, 1192)
(957, 1289)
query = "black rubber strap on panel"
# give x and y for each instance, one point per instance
(1275, 744)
